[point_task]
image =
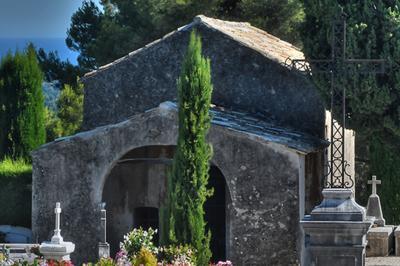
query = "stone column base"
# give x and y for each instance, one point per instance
(104, 250)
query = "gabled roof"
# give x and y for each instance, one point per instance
(254, 38)
(266, 44)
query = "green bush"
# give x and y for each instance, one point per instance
(15, 192)
(145, 258)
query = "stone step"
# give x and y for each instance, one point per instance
(383, 261)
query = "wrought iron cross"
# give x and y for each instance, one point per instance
(337, 66)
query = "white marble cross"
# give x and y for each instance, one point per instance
(374, 182)
(57, 238)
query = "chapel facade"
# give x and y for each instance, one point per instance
(267, 133)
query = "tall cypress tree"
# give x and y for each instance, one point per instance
(22, 111)
(187, 183)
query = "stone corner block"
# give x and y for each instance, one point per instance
(397, 240)
(380, 241)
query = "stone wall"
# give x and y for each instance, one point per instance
(262, 179)
(243, 79)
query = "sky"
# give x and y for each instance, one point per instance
(36, 18)
(42, 22)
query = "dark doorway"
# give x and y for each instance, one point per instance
(146, 217)
(215, 214)
(134, 190)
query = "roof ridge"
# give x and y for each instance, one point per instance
(258, 40)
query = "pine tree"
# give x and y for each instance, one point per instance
(187, 183)
(22, 112)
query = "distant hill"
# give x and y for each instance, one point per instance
(51, 92)
(48, 44)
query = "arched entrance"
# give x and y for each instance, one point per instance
(136, 187)
(216, 214)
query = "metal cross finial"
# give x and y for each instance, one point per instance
(338, 66)
(374, 182)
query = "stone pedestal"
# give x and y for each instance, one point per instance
(57, 249)
(335, 232)
(374, 210)
(104, 250)
(380, 241)
(58, 252)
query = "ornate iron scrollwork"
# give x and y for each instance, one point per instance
(337, 67)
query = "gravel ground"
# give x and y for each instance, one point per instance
(383, 261)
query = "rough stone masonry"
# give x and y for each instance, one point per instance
(267, 130)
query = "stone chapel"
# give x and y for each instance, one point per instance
(268, 136)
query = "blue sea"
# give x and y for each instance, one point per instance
(48, 44)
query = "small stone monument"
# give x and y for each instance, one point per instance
(104, 247)
(380, 237)
(57, 249)
(374, 209)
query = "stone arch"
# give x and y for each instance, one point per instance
(137, 181)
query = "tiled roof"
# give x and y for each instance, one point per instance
(266, 44)
(254, 38)
(258, 127)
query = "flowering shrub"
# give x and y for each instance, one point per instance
(137, 239)
(57, 263)
(223, 263)
(36, 262)
(122, 259)
(177, 255)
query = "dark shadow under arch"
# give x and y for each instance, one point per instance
(135, 189)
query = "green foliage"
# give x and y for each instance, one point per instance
(69, 116)
(22, 104)
(52, 125)
(145, 258)
(183, 215)
(125, 25)
(106, 262)
(385, 163)
(137, 239)
(84, 29)
(55, 69)
(280, 18)
(373, 31)
(15, 192)
(70, 109)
